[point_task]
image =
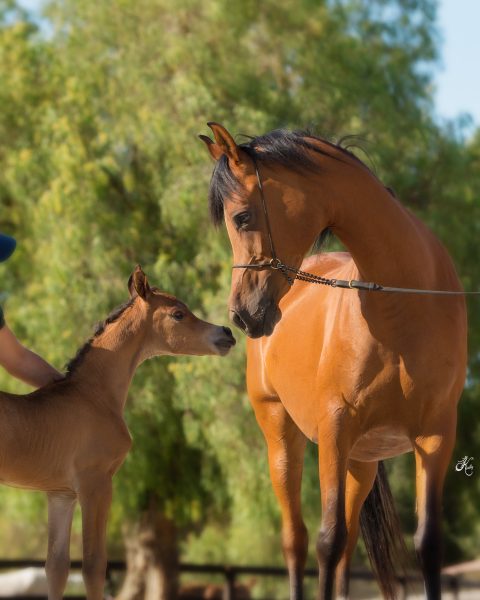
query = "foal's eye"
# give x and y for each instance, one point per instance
(178, 315)
(241, 220)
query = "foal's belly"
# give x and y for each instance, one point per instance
(380, 443)
(30, 478)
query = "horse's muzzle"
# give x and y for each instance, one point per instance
(261, 323)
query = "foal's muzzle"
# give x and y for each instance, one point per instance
(225, 341)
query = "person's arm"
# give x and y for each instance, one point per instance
(24, 364)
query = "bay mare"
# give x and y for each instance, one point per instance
(366, 376)
(69, 438)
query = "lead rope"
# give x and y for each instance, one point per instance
(352, 284)
(369, 286)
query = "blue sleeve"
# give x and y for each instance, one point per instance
(2, 318)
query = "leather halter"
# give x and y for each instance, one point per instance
(369, 286)
(274, 262)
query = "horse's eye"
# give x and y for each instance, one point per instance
(241, 220)
(178, 315)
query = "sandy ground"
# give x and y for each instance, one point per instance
(367, 591)
(466, 595)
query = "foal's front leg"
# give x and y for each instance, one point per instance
(95, 496)
(60, 513)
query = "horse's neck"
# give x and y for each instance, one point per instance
(388, 244)
(110, 363)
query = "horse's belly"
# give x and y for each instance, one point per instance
(380, 443)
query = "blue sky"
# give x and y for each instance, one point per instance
(457, 78)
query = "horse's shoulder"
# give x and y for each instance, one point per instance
(326, 262)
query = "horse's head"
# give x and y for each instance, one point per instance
(171, 328)
(278, 225)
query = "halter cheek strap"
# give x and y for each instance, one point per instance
(274, 262)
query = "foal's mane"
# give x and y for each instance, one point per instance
(100, 327)
(289, 149)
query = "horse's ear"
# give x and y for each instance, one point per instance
(215, 151)
(138, 284)
(224, 144)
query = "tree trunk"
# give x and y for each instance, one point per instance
(152, 559)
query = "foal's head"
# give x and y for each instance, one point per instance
(235, 197)
(170, 327)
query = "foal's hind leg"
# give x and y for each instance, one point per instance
(359, 482)
(60, 514)
(432, 456)
(286, 448)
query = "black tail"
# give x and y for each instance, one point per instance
(383, 536)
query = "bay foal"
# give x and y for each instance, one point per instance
(366, 376)
(69, 438)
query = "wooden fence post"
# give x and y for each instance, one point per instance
(229, 589)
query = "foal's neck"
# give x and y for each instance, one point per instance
(112, 359)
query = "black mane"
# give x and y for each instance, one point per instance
(289, 149)
(76, 361)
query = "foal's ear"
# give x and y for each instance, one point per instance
(224, 144)
(138, 284)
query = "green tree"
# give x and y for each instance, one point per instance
(101, 169)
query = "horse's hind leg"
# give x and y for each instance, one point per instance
(60, 514)
(359, 482)
(432, 457)
(286, 448)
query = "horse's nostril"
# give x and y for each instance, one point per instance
(239, 322)
(228, 331)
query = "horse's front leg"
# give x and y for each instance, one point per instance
(60, 513)
(286, 448)
(95, 496)
(333, 448)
